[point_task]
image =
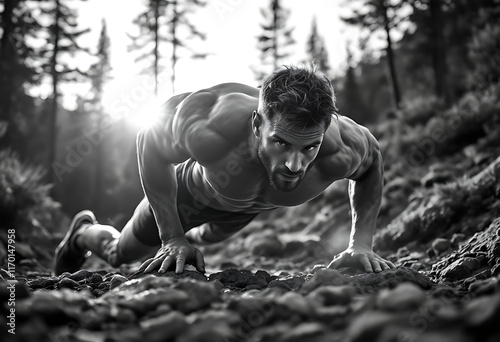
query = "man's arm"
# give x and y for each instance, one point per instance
(365, 195)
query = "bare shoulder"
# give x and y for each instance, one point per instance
(208, 123)
(350, 148)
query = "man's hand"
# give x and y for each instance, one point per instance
(355, 256)
(177, 250)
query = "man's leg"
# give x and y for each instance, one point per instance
(107, 242)
(218, 231)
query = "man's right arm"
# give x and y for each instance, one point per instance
(157, 153)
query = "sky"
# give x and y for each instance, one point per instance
(231, 28)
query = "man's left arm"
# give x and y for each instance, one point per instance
(365, 195)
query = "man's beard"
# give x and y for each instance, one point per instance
(280, 182)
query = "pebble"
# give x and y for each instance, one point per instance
(296, 303)
(200, 295)
(324, 276)
(440, 245)
(68, 284)
(80, 275)
(165, 327)
(116, 280)
(461, 269)
(405, 296)
(332, 295)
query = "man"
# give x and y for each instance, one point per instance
(222, 155)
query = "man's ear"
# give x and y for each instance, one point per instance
(256, 123)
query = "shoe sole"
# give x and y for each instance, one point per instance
(63, 246)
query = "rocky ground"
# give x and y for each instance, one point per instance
(440, 224)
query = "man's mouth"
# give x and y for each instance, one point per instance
(290, 176)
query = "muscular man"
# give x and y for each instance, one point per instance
(222, 155)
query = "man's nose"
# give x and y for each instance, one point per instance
(293, 162)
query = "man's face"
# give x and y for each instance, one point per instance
(287, 150)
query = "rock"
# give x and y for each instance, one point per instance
(440, 245)
(236, 279)
(170, 274)
(43, 283)
(295, 303)
(368, 326)
(80, 275)
(405, 296)
(325, 276)
(290, 283)
(267, 246)
(67, 283)
(457, 238)
(254, 311)
(461, 269)
(116, 281)
(304, 332)
(165, 327)
(483, 313)
(370, 282)
(332, 295)
(201, 295)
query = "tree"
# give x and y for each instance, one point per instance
(62, 40)
(383, 15)
(171, 15)
(99, 75)
(276, 37)
(316, 49)
(17, 25)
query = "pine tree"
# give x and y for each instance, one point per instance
(316, 49)
(275, 39)
(62, 41)
(161, 23)
(17, 25)
(381, 15)
(99, 75)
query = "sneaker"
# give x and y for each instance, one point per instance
(68, 258)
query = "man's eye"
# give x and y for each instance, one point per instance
(280, 143)
(311, 148)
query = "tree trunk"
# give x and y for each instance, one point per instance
(55, 96)
(174, 43)
(390, 59)
(7, 61)
(439, 51)
(156, 56)
(275, 34)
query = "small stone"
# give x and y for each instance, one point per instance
(461, 268)
(80, 275)
(332, 295)
(165, 327)
(296, 303)
(457, 238)
(290, 283)
(201, 295)
(405, 296)
(368, 326)
(304, 332)
(68, 284)
(482, 312)
(325, 276)
(268, 246)
(95, 278)
(116, 281)
(440, 245)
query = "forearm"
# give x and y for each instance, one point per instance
(365, 197)
(159, 183)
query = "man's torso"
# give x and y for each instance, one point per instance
(214, 129)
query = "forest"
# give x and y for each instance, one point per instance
(429, 92)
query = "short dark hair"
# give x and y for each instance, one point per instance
(305, 95)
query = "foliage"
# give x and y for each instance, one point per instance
(23, 197)
(316, 49)
(172, 15)
(275, 38)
